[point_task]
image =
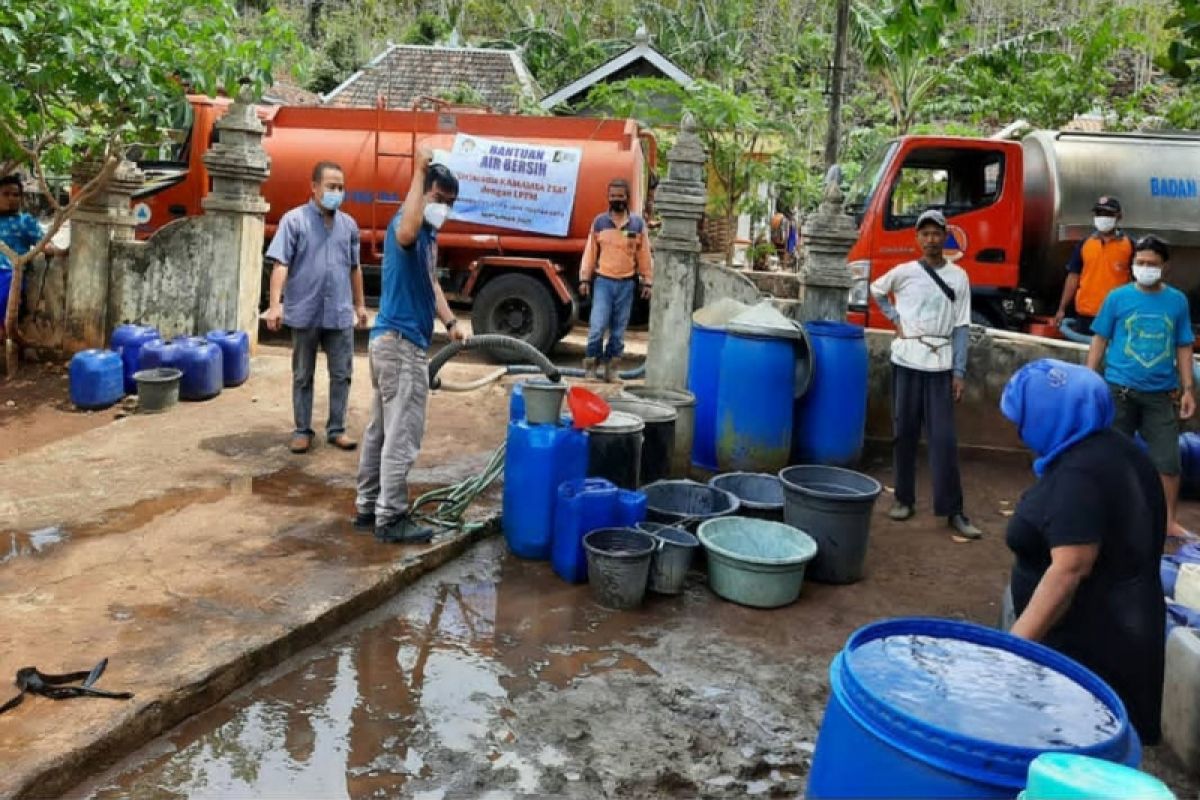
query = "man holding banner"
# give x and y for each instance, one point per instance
(616, 255)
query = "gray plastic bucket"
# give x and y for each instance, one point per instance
(619, 565)
(658, 436)
(672, 559)
(543, 402)
(157, 388)
(833, 505)
(760, 494)
(684, 404)
(685, 504)
(756, 562)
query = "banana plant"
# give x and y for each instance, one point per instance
(904, 44)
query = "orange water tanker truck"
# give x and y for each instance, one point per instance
(519, 277)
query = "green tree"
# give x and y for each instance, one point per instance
(1045, 77)
(735, 128)
(85, 79)
(1183, 52)
(900, 44)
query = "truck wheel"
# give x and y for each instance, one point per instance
(518, 306)
(567, 316)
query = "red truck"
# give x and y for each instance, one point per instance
(517, 283)
(1016, 209)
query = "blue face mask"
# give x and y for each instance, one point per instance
(331, 200)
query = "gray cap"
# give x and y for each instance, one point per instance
(934, 216)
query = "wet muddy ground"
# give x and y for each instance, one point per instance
(493, 678)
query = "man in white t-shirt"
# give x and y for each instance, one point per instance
(929, 302)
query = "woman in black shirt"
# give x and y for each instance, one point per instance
(1088, 536)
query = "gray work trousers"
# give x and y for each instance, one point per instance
(399, 376)
(925, 397)
(338, 344)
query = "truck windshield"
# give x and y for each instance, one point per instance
(172, 150)
(863, 188)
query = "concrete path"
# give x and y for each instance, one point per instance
(194, 552)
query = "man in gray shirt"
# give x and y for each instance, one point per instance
(316, 255)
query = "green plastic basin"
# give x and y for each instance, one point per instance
(756, 562)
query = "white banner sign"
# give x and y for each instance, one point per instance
(526, 187)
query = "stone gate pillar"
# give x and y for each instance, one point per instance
(97, 223)
(229, 291)
(680, 202)
(828, 236)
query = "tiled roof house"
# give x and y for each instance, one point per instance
(285, 92)
(404, 73)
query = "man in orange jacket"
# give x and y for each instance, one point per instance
(1099, 264)
(616, 255)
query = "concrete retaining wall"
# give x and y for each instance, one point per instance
(995, 356)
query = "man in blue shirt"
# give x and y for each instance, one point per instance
(1143, 334)
(20, 231)
(410, 300)
(316, 255)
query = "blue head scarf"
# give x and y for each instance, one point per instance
(1055, 405)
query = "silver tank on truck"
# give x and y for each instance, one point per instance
(1155, 176)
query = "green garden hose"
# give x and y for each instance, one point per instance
(453, 501)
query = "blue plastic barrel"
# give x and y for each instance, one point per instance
(582, 506)
(704, 376)
(96, 379)
(203, 368)
(1189, 454)
(128, 340)
(537, 460)
(157, 353)
(631, 508)
(755, 399)
(235, 355)
(956, 710)
(831, 417)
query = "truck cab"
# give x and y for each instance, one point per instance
(977, 184)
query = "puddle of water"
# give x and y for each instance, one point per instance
(403, 700)
(33, 543)
(290, 486)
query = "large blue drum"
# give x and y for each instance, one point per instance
(704, 375)
(755, 399)
(933, 708)
(831, 417)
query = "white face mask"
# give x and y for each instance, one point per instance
(1105, 224)
(1146, 275)
(435, 214)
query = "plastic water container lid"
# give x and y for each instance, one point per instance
(620, 422)
(647, 410)
(1065, 776)
(765, 320)
(717, 314)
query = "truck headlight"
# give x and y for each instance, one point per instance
(860, 273)
(859, 294)
(860, 270)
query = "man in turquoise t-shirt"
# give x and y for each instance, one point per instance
(1143, 334)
